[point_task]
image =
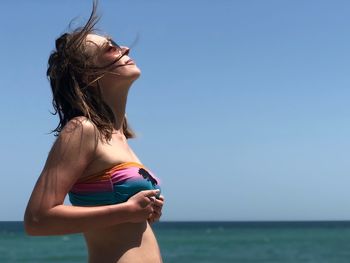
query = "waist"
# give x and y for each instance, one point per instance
(129, 242)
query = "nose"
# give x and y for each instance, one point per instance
(125, 50)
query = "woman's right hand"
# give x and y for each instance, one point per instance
(141, 205)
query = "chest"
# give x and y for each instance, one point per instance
(114, 185)
(111, 153)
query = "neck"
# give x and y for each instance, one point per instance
(116, 98)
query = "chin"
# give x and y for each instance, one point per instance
(134, 73)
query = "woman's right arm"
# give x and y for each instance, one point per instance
(71, 153)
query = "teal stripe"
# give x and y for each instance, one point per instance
(122, 192)
(90, 199)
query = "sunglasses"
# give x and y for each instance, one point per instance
(114, 43)
(111, 44)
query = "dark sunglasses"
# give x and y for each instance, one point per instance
(114, 43)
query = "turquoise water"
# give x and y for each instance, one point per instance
(270, 242)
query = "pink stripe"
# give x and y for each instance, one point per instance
(130, 173)
(92, 187)
(125, 174)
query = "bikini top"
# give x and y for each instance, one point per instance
(112, 186)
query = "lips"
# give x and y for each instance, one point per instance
(130, 62)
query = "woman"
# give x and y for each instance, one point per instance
(114, 197)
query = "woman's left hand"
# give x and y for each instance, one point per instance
(157, 209)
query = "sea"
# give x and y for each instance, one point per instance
(202, 242)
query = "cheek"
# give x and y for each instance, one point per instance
(107, 59)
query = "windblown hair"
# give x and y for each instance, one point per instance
(71, 72)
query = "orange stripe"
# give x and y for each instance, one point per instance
(105, 174)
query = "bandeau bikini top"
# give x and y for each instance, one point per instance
(112, 186)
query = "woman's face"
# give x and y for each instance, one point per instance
(122, 68)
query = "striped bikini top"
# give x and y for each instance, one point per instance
(112, 186)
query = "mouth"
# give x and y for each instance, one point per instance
(130, 62)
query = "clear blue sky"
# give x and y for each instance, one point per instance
(242, 108)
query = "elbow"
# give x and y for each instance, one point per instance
(33, 225)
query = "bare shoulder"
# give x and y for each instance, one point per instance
(79, 130)
(77, 141)
(80, 126)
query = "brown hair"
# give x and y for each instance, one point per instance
(70, 71)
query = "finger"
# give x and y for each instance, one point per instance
(161, 197)
(158, 203)
(157, 209)
(151, 217)
(152, 198)
(149, 193)
(156, 216)
(157, 213)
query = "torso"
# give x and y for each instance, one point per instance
(130, 242)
